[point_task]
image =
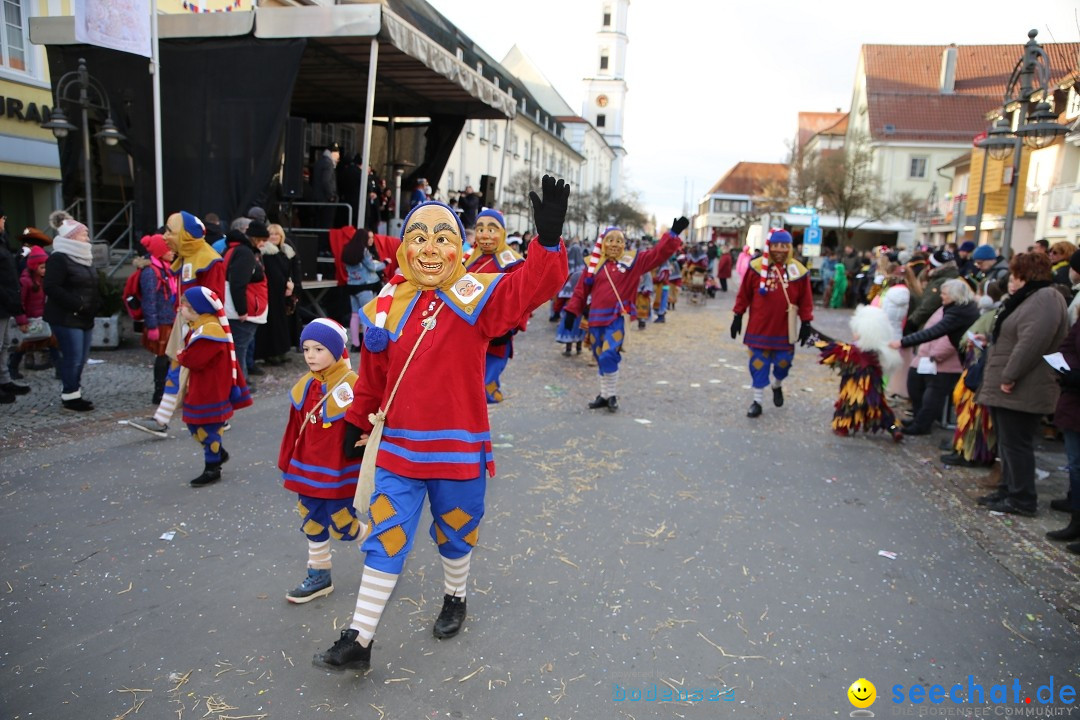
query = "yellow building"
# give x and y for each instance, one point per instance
(29, 162)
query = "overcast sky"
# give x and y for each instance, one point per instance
(712, 83)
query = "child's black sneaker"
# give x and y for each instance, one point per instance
(345, 653)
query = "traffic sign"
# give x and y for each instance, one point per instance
(812, 235)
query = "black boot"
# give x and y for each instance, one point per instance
(577, 350)
(612, 404)
(14, 389)
(599, 402)
(448, 624)
(161, 372)
(755, 409)
(345, 653)
(778, 396)
(566, 352)
(1062, 504)
(13, 365)
(211, 474)
(1069, 532)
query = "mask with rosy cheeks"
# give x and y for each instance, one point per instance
(432, 243)
(173, 226)
(778, 254)
(613, 245)
(488, 235)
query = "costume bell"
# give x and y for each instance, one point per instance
(491, 254)
(610, 292)
(420, 391)
(773, 283)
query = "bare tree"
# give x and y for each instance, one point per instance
(847, 186)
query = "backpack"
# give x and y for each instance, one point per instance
(132, 296)
(132, 293)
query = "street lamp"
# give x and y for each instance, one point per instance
(1036, 124)
(90, 94)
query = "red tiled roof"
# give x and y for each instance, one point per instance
(749, 178)
(902, 87)
(812, 123)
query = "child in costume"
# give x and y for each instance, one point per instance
(662, 286)
(312, 458)
(363, 282)
(157, 286)
(863, 366)
(491, 254)
(196, 265)
(419, 417)
(611, 292)
(644, 300)
(215, 385)
(32, 291)
(775, 283)
(576, 332)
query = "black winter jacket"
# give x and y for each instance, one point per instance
(955, 321)
(10, 296)
(72, 296)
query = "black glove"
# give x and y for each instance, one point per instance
(805, 330)
(568, 321)
(679, 224)
(1069, 380)
(352, 436)
(736, 326)
(549, 213)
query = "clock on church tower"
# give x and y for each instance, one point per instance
(601, 100)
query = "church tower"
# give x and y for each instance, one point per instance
(605, 89)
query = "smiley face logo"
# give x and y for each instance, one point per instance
(862, 693)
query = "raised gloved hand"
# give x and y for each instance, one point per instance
(805, 330)
(679, 224)
(153, 334)
(736, 326)
(549, 213)
(353, 435)
(568, 321)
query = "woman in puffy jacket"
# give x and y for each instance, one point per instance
(72, 297)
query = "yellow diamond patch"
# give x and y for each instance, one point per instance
(313, 528)
(381, 510)
(473, 537)
(440, 536)
(456, 518)
(343, 518)
(392, 540)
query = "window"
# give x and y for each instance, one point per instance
(460, 53)
(479, 67)
(450, 179)
(522, 105)
(917, 168)
(601, 120)
(607, 17)
(603, 61)
(13, 41)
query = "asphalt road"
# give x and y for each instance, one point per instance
(675, 545)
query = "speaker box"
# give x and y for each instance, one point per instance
(292, 174)
(307, 249)
(487, 190)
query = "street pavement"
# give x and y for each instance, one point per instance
(672, 546)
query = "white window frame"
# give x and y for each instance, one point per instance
(29, 50)
(925, 160)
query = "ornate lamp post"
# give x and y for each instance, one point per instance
(78, 88)
(1032, 122)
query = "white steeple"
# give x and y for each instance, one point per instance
(605, 89)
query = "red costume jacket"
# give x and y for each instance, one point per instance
(767, 328)
(486, 263)
(210, 383)
(604, 307)
(437, 426)
(314, 463)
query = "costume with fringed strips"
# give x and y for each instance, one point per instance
(861, 404)
(975, 438)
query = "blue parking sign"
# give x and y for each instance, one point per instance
(812, 235)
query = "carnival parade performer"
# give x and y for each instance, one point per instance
(312, 456)
(774, 283)
(491, 254)
(215, 385)
(863, 367)
(611, 292)
(418, 416)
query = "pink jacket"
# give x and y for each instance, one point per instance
(33, 299)
(941, 349)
